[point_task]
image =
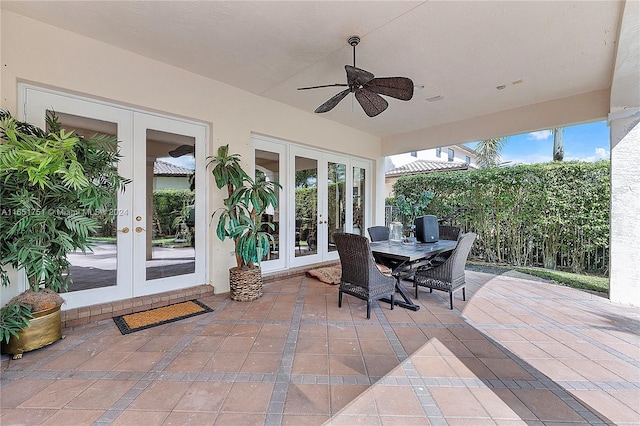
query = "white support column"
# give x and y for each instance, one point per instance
(625, 207)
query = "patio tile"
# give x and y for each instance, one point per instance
(139, 417)
(470, 368)
(506, 369)
(25, 417)
(235, 344)
(343, 395)
(547, 406)
(433, 367)
(312, 345)
(18, 392)
(247, 398)
(189, 362)
(344, 346)
(317, 364)
(249, 363)
(100, 395)
(225, 363)
(177, 418)
(269, 344)
(160, 396)
(379, 366)
(307, 399)
(342, 365)
(591, 370)
(261, 362)
(392, 400)
(376, 346)
(305, 420)
(403, 421)
(556, 370)
(57, 394)
(458, 402)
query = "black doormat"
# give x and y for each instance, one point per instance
(130, 323)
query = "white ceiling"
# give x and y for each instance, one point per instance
(460, 50)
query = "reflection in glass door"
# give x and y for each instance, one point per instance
(306, 207)
(170, 183)
(96, 268)
(359, 199)
(336, 201)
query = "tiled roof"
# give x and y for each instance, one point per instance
(162, 168)
(424, 166)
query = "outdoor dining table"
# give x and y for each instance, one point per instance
(409, 256)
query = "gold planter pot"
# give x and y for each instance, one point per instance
(44, 329)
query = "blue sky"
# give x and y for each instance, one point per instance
(584, 142)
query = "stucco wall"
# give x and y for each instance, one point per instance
(41, 54)
(625, 206)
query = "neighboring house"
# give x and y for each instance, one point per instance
(457, 157)
(170, 176)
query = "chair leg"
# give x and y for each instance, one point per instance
(416, 284)
(392, 301)
(339, 298)
(451, 300)
(368, 309)
(464, 297)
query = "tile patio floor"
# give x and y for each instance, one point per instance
(517, 352)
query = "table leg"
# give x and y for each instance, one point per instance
(407, 303)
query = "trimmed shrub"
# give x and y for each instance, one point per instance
(554, 215)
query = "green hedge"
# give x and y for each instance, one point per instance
(168, 204)
(554, 215)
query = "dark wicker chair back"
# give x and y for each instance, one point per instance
(449, 232)
(446, 233)
(360, 276)
(378, 233)
(448, 276)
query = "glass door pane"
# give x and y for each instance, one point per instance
(99, 267)
(170, 210)
(359, 200)
(268, 168)
(336, 201)
(306, 207)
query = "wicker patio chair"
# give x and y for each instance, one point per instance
(446, 233)
(378, 233)
(449, 232)
(449, 276)
(360, 276)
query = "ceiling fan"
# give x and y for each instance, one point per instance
(367, 88)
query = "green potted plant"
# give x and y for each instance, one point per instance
(241, 221)
(57, 188)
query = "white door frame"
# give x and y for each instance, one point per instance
(33, 101)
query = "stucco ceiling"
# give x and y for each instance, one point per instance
(459, 50)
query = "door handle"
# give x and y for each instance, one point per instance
(124, 230)
(139, 229)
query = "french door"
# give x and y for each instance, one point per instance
(323, 193)
(155, 241)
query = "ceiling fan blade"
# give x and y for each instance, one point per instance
(331, 103)
(357, 76)
(182, 150)
(372, 103)
(324, 85)
(396, 87)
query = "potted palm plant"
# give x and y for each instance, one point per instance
(57, 188)
(241, 221)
